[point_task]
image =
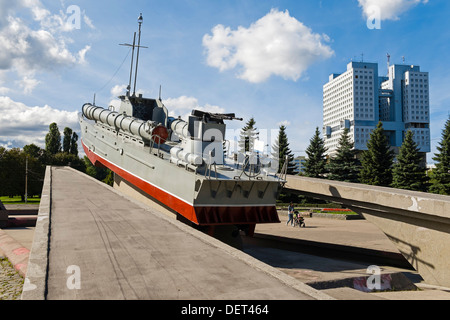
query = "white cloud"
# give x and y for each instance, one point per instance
(183, 106)
(285, 123)
(25, 48)
(88, 21)
(389, 9)
(4, 90)
(24, 125)
(8, 145)
(82, 54)
(119, 90)
(31, 50)
(28, 84)
(276, 44)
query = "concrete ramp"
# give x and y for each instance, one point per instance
(91, 242)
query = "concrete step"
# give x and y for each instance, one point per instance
(18, 222)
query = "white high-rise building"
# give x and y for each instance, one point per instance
(358, 99)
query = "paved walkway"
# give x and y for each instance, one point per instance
(350, 233)
(105, 246)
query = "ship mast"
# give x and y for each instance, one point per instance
(134, 46)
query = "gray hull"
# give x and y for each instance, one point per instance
(205, 195)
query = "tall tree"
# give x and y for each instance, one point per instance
(282, 152)
(53, 139)
(67, 140)
(74, 145)
(37, 160)
(248, 136)
(316, 157)
(409, 172)
(344, 166)
(440, 176)
(377, 161)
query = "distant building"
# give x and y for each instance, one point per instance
(299, 164)
(359, 98)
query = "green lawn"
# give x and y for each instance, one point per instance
(18, 200)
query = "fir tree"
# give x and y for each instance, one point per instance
(344, 166)
(53, 139)
(248, 136)
(408, 172)
(440, 176)
(282, 151)
(316, 157)
(377, 160)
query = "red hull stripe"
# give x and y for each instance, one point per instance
(200, 215)
(176, 204)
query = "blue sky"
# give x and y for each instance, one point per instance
(261, 59)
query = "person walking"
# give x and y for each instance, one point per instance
(291, 214)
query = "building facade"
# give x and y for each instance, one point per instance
(299, 164)
(359, 98)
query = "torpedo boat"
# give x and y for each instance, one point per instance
(184, 164)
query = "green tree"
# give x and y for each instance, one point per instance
(109, 180)
(41, 155)
(440, 176)
(409, 172)
(37, 160)
(377, 161)
(68, 159)
(70, 141)
(67, 140)
(74, 145)
(12, 173)
(99, 173)
(344, 166)
(316, 157)
(248, 136)
(282, 152)
(53, 139)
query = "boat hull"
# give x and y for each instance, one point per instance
(208, 205)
